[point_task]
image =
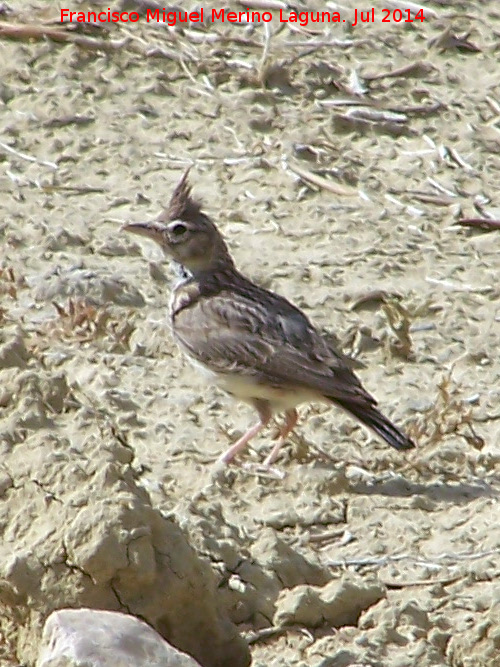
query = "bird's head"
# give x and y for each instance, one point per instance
(185, 233)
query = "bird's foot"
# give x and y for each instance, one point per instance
(224, 464)
(263, 470)
(221, 471)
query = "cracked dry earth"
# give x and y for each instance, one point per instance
(360, 555)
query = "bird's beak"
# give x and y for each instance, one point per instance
(150, 230)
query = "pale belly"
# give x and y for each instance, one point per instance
(244, 389)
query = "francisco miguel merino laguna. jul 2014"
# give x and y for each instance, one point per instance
(171, 18)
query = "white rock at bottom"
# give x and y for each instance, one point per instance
(94, 638)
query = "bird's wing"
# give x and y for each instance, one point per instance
(269, 341)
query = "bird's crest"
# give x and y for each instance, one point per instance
(182, 206)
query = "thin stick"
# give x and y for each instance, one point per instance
(263, 4)
(265, 50)
(319, 44)
(480, 223)
(460, 288)
(459, 159)
(420, 67)
(321, 182)
(27, 31)
(424, 582)
(441, 188)
(413, 7)
(29, 158)
(384, 560)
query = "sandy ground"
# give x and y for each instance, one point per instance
(401, 124)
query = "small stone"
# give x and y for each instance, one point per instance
(339, 603)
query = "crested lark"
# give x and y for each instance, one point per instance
(252, 343)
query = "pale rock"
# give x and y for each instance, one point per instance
(94, 638)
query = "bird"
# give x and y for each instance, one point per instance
(252, 343)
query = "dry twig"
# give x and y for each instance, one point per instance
(413, 7)
(28, 158)
(419, 560)
(319, 181)
(38, 32)
(417, 69)
(487, 224)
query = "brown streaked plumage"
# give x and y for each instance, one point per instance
(251, 342)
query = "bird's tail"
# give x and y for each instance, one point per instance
(377, 422)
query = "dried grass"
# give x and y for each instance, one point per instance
(8, 282)
(83, 322)
(448, 415)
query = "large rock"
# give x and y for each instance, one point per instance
(91, 638)
(77, 530)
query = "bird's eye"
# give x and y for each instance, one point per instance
(179, 229)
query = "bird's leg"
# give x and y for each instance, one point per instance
(291, 419)
(264, 416)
